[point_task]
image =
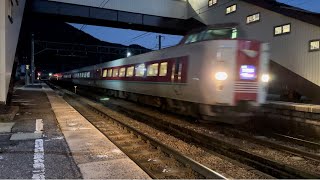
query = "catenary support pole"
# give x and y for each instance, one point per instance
(32, 60)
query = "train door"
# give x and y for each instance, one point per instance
(179, 73)
(97, 74)
(176, 71)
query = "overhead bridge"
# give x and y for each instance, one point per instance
(166, 16)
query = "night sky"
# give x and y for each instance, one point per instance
(149, 40)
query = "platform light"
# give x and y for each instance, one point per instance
(265, 78)
(128, 54)
(221, 76)
(50, 74)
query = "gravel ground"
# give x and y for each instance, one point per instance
(288, 159)
(222, 166)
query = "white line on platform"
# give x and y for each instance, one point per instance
(38, 160)
(39, 126)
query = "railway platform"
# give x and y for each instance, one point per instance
(300, 120)
(48, 139)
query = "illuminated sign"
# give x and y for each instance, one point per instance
(247, 72)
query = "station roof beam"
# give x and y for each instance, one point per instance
(113, 18)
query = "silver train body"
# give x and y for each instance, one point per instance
(220, 79)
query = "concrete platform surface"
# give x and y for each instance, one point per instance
(37, 149)
(96, 156)
(6, 127)
(25, 136)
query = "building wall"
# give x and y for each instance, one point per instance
(2, 51)
(9, 35)
(290, 50)
(163, 8)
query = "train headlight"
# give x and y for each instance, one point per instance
(265, 78)
(221, 76)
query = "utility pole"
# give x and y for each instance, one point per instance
(160, 38)
(32, 60)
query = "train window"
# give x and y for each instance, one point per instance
(189, 38)
(153, 69)
(140, 70)
(282, 29)
(163, 69)
(231, 9)
(122, 72)
(234, 33)
(88, 74)
(195, 37)
(104, 73)
(253, 18)
(109, 72)
(115, 73)
(314, 45)
(130, 71)
(220, 34)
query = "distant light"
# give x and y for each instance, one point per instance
(39, 74)
(50, 74)
(105, 99)
(128, 54)
(265, 78)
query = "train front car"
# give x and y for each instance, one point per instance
(234, 73)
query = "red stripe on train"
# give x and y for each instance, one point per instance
(244, 59)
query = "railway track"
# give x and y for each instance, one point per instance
(268, 166)
(155, 158)
(279, 145)
(299, 141)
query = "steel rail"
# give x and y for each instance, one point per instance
(196, 166)
(263, 164)
(271, 167)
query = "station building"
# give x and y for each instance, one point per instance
(11, 14)
(293, 34)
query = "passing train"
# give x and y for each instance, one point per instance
(212, 74)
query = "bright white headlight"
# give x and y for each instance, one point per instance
(265, 78)
(221, 76)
